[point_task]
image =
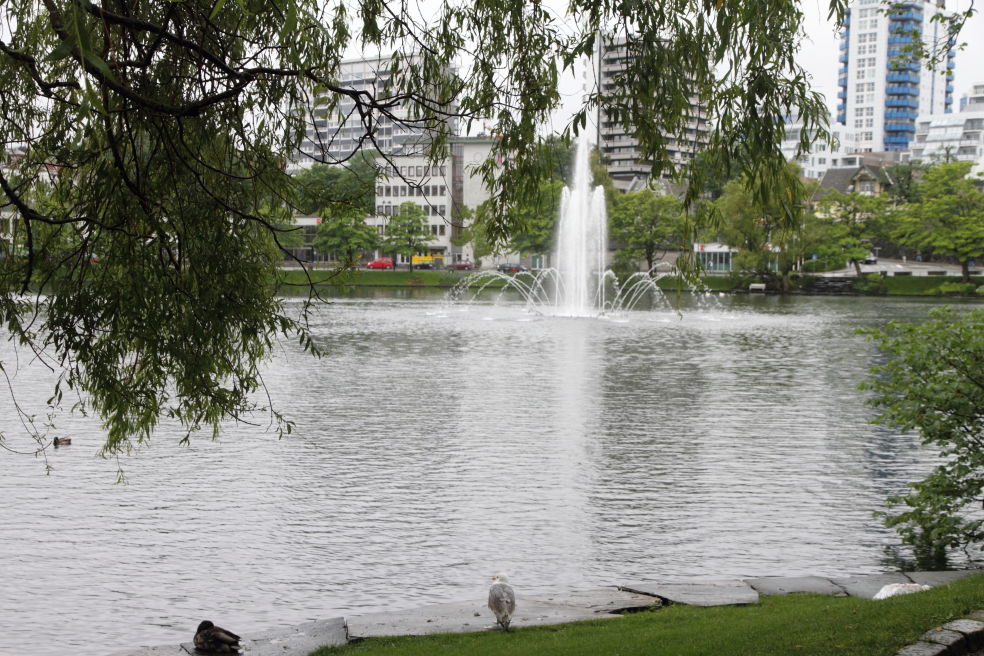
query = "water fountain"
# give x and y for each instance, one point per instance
(582, 242)
(580, 284)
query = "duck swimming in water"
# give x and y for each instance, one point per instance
(212, 639)
(61, 441)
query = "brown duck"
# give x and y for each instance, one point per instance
(211, 639)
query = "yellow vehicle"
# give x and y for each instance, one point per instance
(427, 262)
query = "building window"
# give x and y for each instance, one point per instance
(440, 229)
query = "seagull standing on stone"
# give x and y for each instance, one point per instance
(213, 639)
(502, 600)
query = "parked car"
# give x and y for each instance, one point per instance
(870, 259)
(381, 263)
(423, 265)
(461, 266)
(511, 268)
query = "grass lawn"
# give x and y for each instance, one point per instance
(901, 285)
(790, 624)
(921, 285)
(377, 278)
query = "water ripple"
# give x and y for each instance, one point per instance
(437, 445)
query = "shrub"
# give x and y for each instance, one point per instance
(932, 385)
(956, 289)
(871, 283)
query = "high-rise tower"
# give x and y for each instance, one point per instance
(882, 90)
(618, 144)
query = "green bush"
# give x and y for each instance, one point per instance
(956, 289)
(980, 290)
(822, 264)
(871, 283)
(932, 385)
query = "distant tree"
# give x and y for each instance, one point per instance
(644, 223)
(472, 232)
(344, 232)
(717, 173)
(536, 219)
(322, 186)
(854, 220)
(769, 233)
(949, 218)
(407, 232)
(933, 385)
(905, 181)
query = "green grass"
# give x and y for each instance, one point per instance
(377, 278)
(790, 624)
(921, 285)
(891, 285)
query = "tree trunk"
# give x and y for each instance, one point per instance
(857, 267)
(965, 271)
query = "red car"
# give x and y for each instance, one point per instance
(461, 266)
(381, 263)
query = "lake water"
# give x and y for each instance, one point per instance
(437, 445)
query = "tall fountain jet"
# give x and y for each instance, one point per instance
(582, 242)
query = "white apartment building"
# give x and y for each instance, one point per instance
(618, 145)
(881, 92)
(332, 135)
(952, 137)
(822, 156)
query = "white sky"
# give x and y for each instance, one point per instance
(820, 50)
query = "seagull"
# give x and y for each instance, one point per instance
(502, 600)
(896, 589)
(212, 639)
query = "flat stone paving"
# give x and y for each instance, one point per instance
(780, 585)
(472, 616)
(868, 586)
(728, 592)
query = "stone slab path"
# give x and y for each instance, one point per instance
(599, 603)
(729, 592)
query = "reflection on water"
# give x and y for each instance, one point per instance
(438, 444)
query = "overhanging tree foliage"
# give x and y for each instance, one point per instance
(151, 136)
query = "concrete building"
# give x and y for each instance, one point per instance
(627, 167)
(881, 92)
(441, 190)
(821, 156)
(952, 137)
(333, 134)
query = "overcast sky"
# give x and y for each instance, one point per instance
(819, 57)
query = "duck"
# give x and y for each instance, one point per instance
(61, 441)
(212, 639)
